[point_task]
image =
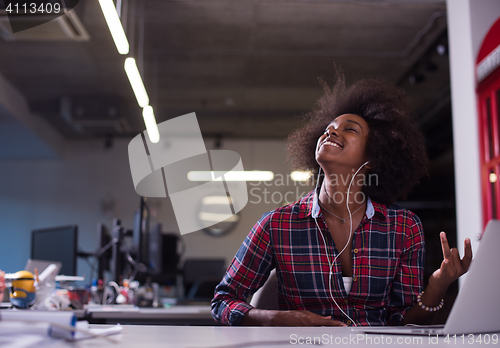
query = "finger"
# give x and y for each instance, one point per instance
(319, 321)
(445, 246)
(328, 322)
(445, 265)
(455, 259)
(468, 254)
(316, 315)
(338, 323)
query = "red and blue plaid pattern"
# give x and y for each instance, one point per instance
(388, 253)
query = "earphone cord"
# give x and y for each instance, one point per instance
(348, 241)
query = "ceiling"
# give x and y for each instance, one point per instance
(247, 68)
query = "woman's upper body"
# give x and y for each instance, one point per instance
(363, 131)
(388, 260)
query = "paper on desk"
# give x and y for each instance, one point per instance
(112, 308)
(21, 328)
(84, 325)
(52, 319)
(21, 335)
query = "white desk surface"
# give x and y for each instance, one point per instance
(241, 337)
(174, 312)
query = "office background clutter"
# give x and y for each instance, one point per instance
(247, 69)
(91, 184)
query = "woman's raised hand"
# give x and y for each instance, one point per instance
(452, 266)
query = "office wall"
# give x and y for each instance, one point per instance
(468, 23)
(91, 184)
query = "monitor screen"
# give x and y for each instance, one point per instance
(104, 238)
(56, 244)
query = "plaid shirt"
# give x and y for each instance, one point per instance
(388, 253)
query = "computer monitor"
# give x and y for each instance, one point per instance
(141, 233)
(164, 254)
(56, 244)
(103, 238)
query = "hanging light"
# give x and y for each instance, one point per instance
(115, 26)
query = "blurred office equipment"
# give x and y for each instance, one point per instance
(141, 233)
(201, 276)
(56, 244)
(140, 253)
(165, 251)
(103, 254)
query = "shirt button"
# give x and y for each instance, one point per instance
(355, 251)
(349, 322)
(354, 279)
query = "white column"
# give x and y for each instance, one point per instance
(465, 123)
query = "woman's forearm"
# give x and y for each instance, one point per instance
(431, 297)
(258, 317)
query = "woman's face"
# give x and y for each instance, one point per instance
(343, 142)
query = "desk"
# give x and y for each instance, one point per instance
(175, 315)
(242, 337)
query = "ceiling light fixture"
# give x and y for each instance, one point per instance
(441, 49)
(217, 217)
(115, 26)
(151, 126)
(253, 175)
(136, 82)
(211, 200)
(300, 176)
(493, 178)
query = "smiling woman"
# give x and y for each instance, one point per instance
(396, 149)
(344, 255)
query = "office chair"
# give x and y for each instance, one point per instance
(201, 276)
(267, 296)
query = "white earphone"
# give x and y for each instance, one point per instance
(330, 265)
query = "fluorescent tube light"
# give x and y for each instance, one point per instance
(136, 82)
(151, 126)
(254, 175)
(115, 26)
(300, 176)
(217, 217)
(212, 200)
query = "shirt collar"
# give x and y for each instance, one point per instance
(309, 206)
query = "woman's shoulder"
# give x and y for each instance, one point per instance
(397, 214)
(297, 209)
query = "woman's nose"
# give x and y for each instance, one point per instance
(331, 131)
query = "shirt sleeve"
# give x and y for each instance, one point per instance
(409, 279)
(247, 272)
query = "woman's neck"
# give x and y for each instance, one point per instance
(334, 191)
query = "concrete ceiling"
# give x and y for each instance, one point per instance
(247, 68)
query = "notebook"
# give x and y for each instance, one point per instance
(477, 306)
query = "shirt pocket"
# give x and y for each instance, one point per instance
(375, 278)
(304, 276)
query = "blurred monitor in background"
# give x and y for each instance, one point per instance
(104, 249)
(56, 244)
